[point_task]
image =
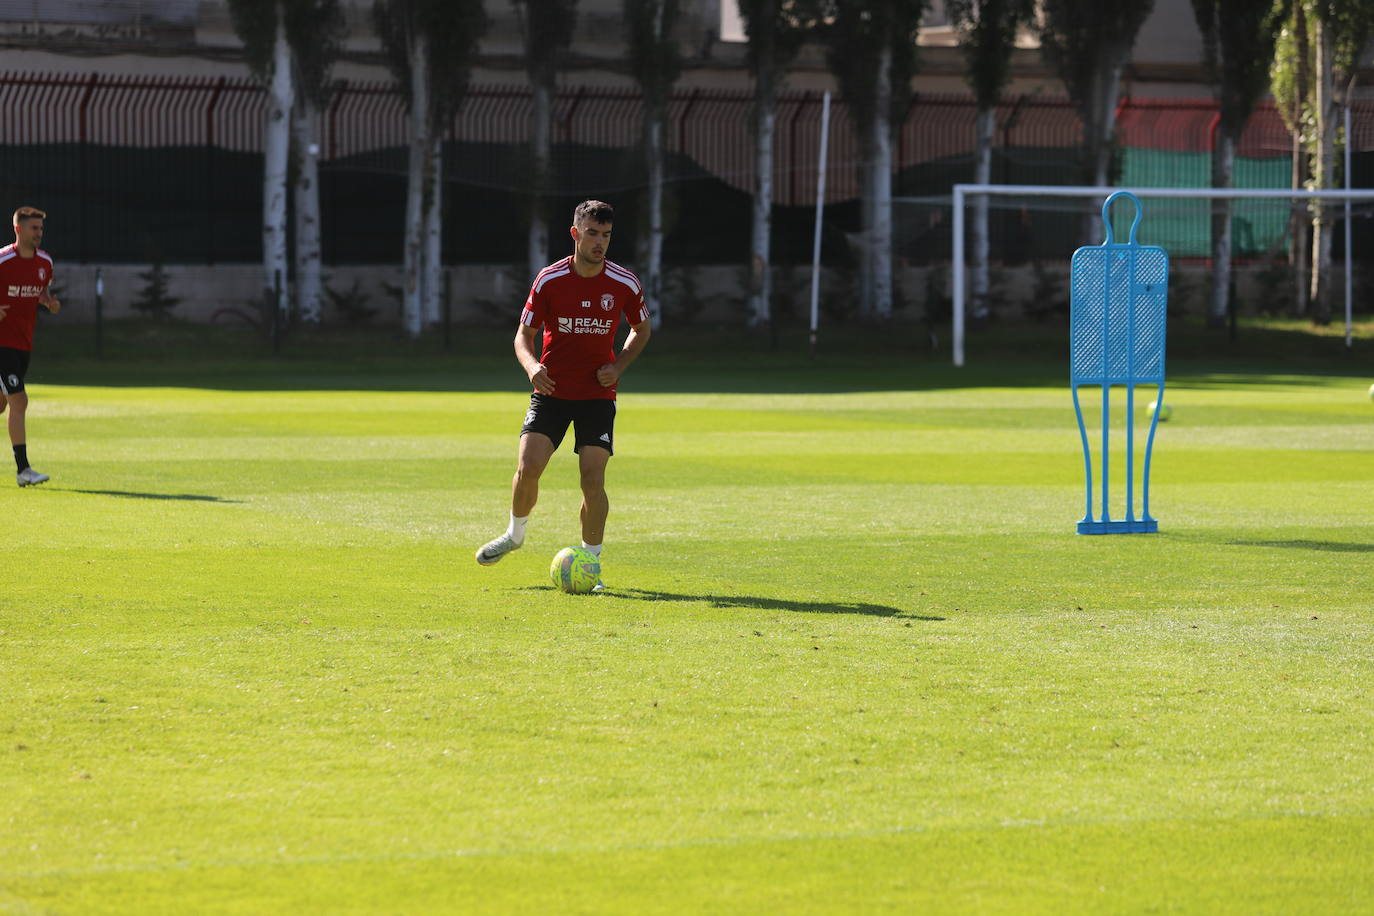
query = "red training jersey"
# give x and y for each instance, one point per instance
(22, 281)
(580, 316)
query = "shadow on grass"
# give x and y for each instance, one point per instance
(128, 494)
(772, 604)
(1301, 544)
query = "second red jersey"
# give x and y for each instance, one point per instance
(22, 281)
(580, 316)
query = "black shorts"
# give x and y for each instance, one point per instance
(14, 365)
(593, 420)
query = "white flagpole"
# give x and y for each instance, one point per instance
(820, 206)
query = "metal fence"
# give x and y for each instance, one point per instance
(171, 166)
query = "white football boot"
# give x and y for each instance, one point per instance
(31, 478)
(492, 551)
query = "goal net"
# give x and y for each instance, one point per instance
(1033, 230)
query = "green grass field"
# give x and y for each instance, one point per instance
(855, 658)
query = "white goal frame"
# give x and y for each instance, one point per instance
(963, 191)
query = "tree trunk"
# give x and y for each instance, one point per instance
(1099, 129)
(1299, 222)
(1107, 126)
(306, 127)
(1324, 173)
(1223, 163)
(1299, 247)
(867, 192)
(760, 265)
(982, 174)
(882, 189)
(276, 155)
(541, 142)
(653, 266)
(432, 287)
(411, 305)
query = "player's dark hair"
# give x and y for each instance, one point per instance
(594, 211)
(28, 213)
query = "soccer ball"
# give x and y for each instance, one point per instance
(1165, 411)
(575, 570)
(1371, 392)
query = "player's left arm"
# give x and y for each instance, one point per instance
(635, 342)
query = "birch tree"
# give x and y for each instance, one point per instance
(548, 28)
(872, 52)
(776, 30)
(1290, 80)
(1342, 30)
(1087, 42)
(656, 63)
(314, 29)
(1238, 39)
(429, 46)
(987, 38)
(261, 26)
(400, 25)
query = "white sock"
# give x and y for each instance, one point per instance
(594, 548)
(516, 529)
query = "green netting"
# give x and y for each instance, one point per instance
(1183, 227)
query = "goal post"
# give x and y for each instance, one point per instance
(962, 192)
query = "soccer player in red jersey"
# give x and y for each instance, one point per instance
(578, 302)
(25, 274)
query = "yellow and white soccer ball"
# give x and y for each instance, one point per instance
(1165, 411)
(575, 570)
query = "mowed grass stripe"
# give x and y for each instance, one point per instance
(923, 576)
(482, 468)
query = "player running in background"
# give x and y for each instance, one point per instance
(578, 302)
(25, 274)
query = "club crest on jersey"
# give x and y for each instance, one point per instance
(42, 273)
(607, 302)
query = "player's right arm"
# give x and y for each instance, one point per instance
(526, 339)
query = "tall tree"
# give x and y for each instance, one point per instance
(314, 29)
(1238, 39)
(656, 62)
(776, 30)
(400, 24)
(1291, 83)
(457, 28)
(548, 29)
(429, 45)
(1342, 30)
(987, 38)
(1087, 42)
(872, 52)
(261, 26)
